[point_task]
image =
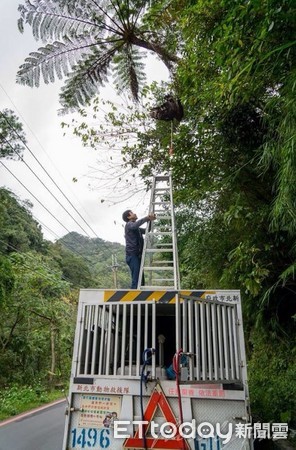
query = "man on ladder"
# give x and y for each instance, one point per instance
(134, 242)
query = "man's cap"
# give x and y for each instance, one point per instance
(125, 215)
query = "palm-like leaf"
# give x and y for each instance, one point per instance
(84, 39)
(129, 70)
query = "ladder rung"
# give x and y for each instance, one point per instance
(159, 288)
(160, 233)
(169, 263)
(162, 273)
(159, 250)
(161, 177)
(163, 279)
(165, 225)
(162, 261)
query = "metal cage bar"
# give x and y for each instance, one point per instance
(109, 350)
(116, 340)
(95, 343)
(138, 356)
(123, 340)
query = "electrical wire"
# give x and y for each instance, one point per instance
(144, 379)
(24, 143)
(34, 196)
(82, 256)
(49, 176)
(74, 252)
(48, 190)
(41, 146)
(176, 367)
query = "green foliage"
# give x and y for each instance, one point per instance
(39, 284)
(85, 41)
(272, 368)
(12, 137)
(74, 268)
(245, 259)
(6, 278)
(19, 231)
(17, 399)
(35, 308)
(10, 398)
(95, 262)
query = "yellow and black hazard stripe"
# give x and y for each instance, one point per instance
(140, 296)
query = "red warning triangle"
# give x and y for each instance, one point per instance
(157, 399)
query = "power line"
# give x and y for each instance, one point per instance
(89, 262)
(34, 197)
(42, 147)
(36, 159)
(82, 256)
(74, 252)
(24, 143)
(40, 204)
(38, 178)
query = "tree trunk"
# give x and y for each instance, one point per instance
(53, 356)
(166, 57)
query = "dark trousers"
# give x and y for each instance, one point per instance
(134, 263)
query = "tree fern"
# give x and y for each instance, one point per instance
(129, 70)
(90, 71)
(85, 38)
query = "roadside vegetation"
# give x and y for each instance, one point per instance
(233, 158)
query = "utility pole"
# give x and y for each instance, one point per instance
(114, 268)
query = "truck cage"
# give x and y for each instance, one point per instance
(113, 335)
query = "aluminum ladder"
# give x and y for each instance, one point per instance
(159, 262)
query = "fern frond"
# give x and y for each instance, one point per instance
(129, 70)
(83, 82)
(57, 58)
(51, 20)
(86, 35)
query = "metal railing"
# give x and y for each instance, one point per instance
(113, 337)
(210, 340)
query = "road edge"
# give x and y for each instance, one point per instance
(30, 412)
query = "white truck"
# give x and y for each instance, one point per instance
(159, 367)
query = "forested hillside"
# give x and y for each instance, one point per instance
(39, 287)
(96, 254)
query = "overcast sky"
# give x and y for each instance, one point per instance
(63, 157)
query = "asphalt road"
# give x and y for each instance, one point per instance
(42, 430)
